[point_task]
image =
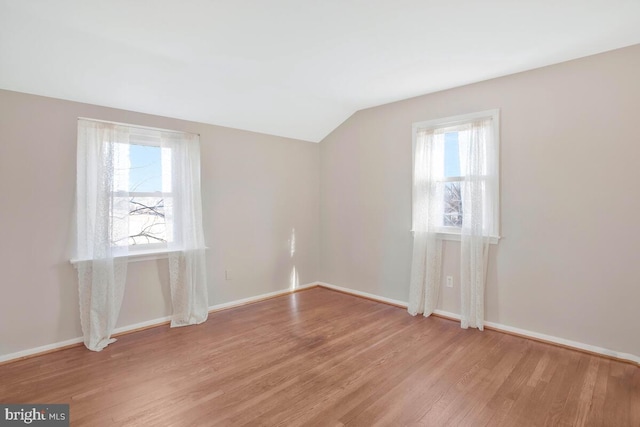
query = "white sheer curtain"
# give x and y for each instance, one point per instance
(427, 215)
(102, 227)
(183, 213)
(477, 163)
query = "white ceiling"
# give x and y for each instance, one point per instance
(295, 68)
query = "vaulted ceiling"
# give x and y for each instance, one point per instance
(294, 68)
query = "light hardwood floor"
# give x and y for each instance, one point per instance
(320, 357)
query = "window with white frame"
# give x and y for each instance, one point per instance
(143, 182)
(138, 190)
(456, 162)
(137, 193)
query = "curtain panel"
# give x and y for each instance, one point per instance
(183, 210)
(427, 247)
(102, 224)
(102, 209)
(478, 168)
(478, 180)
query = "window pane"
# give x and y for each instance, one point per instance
(451, 154)
(145, 174)
(146, 220)
(452, 216)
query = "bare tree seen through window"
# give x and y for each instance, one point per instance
(452, 205)
(146, 201)
(146, 220)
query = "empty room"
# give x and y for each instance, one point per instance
(319, 213)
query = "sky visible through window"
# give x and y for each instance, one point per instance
(452, 215)
(146, 211)
(451, 155)
(145, 174)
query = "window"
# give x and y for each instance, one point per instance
(455, 166)
(137, 193)
(143, 182)
(452, 207)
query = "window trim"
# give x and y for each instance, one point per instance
(142, 255)
(132, 126)
(454, 233)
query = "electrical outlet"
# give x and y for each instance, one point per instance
(449, 281)
(227, 274)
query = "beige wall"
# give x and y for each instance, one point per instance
(569, 262)
(256, 190)
(568, 265)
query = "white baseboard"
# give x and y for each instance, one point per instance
(256, 298)
(363, 294)
(564, 342)
(148, 323)
(231, 304)
(141, 325)
(37, 350)
(502, 328)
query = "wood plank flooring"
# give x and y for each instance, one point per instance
(320, 357)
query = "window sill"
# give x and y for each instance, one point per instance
(149, 255)
(456, 237)
(138, 256)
